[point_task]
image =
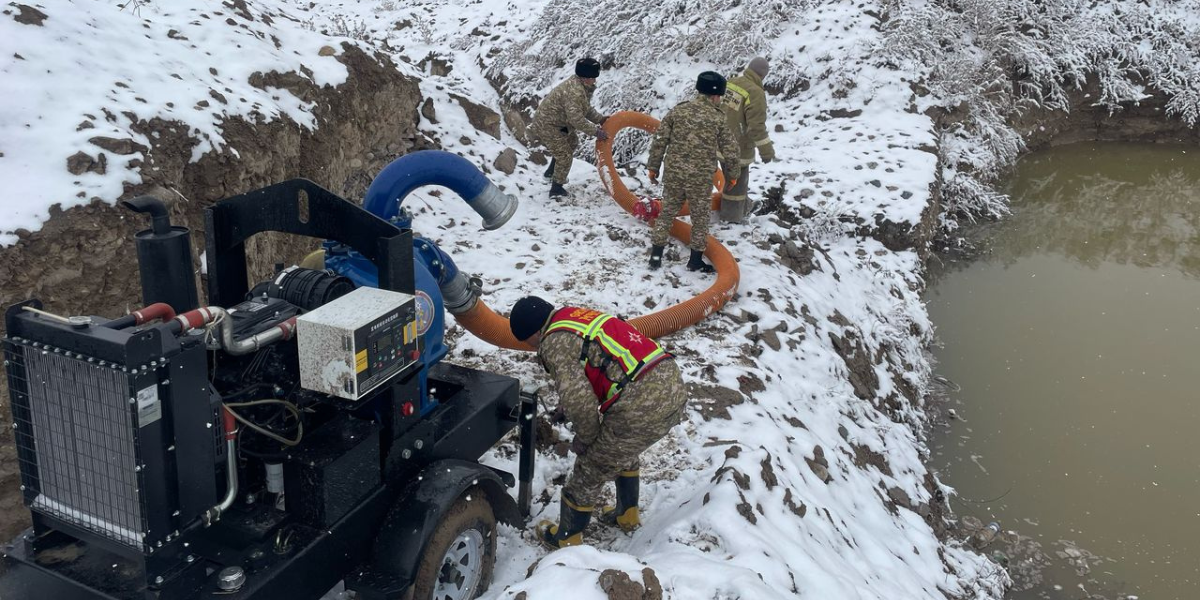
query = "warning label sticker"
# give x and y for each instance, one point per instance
(149, 406)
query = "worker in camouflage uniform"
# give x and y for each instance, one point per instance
(692, 138)
(566, 110)
(622, 393)
(746, 109)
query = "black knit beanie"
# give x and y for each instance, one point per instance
(710, 84)
(587, 68)
(527, 317)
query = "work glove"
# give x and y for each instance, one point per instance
(767, 153)
(578, 447)
(653, 176)
(601, 134)
(729, 185)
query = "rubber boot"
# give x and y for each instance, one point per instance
(572, 520)
(696, 263)
(625, 513)
(557, 190)
(656, 253)
(549, 170)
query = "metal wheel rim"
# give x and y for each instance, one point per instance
(462, 568)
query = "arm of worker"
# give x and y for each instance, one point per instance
(560, 353)
(659, 143)
(579, 113)
(728, 153)
(594, 115)
(756, 128)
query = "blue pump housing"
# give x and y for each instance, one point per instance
(439, 284)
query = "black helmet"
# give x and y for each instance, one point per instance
(528, 316)
(587, 68)
(710, 84)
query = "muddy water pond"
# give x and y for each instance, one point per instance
(1072, 348)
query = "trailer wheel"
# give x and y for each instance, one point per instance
(458, 561)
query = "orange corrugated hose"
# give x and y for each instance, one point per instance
(493, 328)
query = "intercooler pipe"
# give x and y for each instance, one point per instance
(158, 310)
(164, 257)
(210, 314)
(213, 514)
(437, 167)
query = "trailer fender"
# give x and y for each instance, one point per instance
(418, 510)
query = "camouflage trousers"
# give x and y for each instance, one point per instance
(735, 203)
(698, 198)
(562, 145)
(648, 408)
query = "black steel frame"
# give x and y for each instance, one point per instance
(307, 560)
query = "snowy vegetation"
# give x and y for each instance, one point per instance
(634, 36)
(985, 61)
(991, 60)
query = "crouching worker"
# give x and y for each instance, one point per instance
(622, 393)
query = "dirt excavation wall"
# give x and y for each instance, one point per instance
(1146, 121)
(83, 260)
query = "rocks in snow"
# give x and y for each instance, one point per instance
(799, 258)
(619, 586)
(428, 111)
(506, 162)
(481, 117)
(81, 162)
(29, 15)
(122, 147)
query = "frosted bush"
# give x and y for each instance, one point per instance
(992, 60)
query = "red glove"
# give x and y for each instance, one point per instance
(653, 176)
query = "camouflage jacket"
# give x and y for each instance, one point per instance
(559, 352)
(568, 105)
(745, 106)
(693, 138)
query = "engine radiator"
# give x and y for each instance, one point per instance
(79, 451)
(114, 432)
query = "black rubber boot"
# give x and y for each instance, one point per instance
(557, 191)
(549, 170)
(656, 253)
(625, 513)
(696, 263)
(572, 520)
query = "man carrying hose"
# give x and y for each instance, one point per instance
(622, 393)
(566, 110)
(745, 106)
(692, 138)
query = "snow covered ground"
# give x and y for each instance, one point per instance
(792, 476)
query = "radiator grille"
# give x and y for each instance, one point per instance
(76, 422)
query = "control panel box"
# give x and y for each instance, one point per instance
(356, 343)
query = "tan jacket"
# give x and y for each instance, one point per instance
(746, 110)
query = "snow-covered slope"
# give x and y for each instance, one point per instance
(77, 71)
(800, 487)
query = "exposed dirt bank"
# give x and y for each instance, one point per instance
(84, 262)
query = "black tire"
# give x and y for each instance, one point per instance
(471, 513)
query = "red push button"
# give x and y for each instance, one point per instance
(408, 409)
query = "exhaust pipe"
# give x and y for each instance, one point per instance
(164, 258)
(437, 167)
